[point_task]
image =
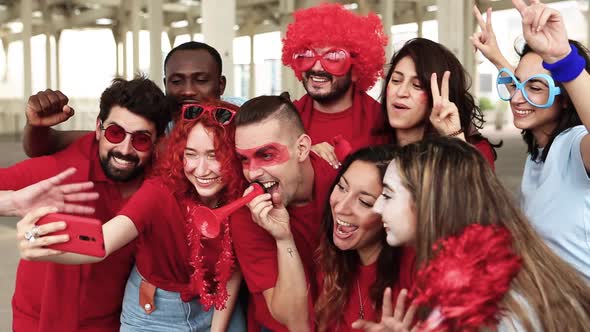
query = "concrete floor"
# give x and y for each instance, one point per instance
(508, 167)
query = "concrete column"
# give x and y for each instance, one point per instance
(48, 59)
(252, 82)
(221, 36)
(156, 27)
(386, 9)
(124, 52)
(135, 25)
(364, 7)
(289, 81)
(455, 25)
(419, 10)
(4, 75)
(26, 13)
(57, 37)
(192, 28)
(117, 38)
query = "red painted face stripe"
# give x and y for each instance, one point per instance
(271, 154)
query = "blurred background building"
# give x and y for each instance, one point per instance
(78, 46)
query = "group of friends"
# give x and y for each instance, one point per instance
(334, 243)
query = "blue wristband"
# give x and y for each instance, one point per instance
(568, 68)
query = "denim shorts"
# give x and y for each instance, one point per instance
(171, 314)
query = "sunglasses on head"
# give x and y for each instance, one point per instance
(116, 134)
(195, 111)
(335, 61)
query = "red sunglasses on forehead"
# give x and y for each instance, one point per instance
(116, 134)
(195, 111)
(336, 61)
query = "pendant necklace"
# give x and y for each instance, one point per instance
(362, 306)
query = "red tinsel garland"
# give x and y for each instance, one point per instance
(467, 279)
(198, 285)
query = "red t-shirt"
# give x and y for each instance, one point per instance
(485, 148)
(257, 252)
(54, 297)
(162, 249)
(352, 311)
(366, 277)
(356, 124)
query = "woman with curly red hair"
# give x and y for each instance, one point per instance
(181, 272)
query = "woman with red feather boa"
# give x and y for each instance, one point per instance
(185, 278)
(482, 263)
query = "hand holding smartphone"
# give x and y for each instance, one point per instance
(85, 234)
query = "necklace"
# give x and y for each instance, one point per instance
(361, 302)
(211, 291)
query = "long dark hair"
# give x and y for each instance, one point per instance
(431, 57)
(453, 187)
(566, 119)
(340, 267)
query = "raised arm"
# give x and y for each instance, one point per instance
(45, 109)
(485, 40)
(117, 233)
(544, 31)
(287, 301)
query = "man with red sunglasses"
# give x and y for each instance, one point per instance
(192, 71)
(337, 55)
(133, 114)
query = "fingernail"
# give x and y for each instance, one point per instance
(61, 225)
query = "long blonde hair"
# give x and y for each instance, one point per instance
(453, 186)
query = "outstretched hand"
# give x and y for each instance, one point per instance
(543, 30)
(445, 115)
(50, 192)
(391, 321)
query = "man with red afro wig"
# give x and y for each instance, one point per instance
(338, 55)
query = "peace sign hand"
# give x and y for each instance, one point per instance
(445, 115)
(485, 40)
(543, 30)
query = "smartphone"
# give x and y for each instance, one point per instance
(85, 234)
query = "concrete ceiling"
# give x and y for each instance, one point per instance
(183, 16)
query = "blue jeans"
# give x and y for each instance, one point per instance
(171, 314)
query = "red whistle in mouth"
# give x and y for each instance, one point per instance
(208, 221)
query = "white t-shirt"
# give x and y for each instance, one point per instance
(556, 199)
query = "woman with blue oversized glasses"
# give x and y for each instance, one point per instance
(548, 93)
(538, 90)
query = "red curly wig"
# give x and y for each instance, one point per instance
(331, 24)
(170, 160)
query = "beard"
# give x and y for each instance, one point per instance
(338, 89)
(120, 175)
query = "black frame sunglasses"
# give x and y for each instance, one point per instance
(222, 115)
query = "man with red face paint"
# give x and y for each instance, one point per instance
(276, 251)
(337, 62)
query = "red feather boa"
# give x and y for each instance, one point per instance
(467, 279)
(210, 292)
